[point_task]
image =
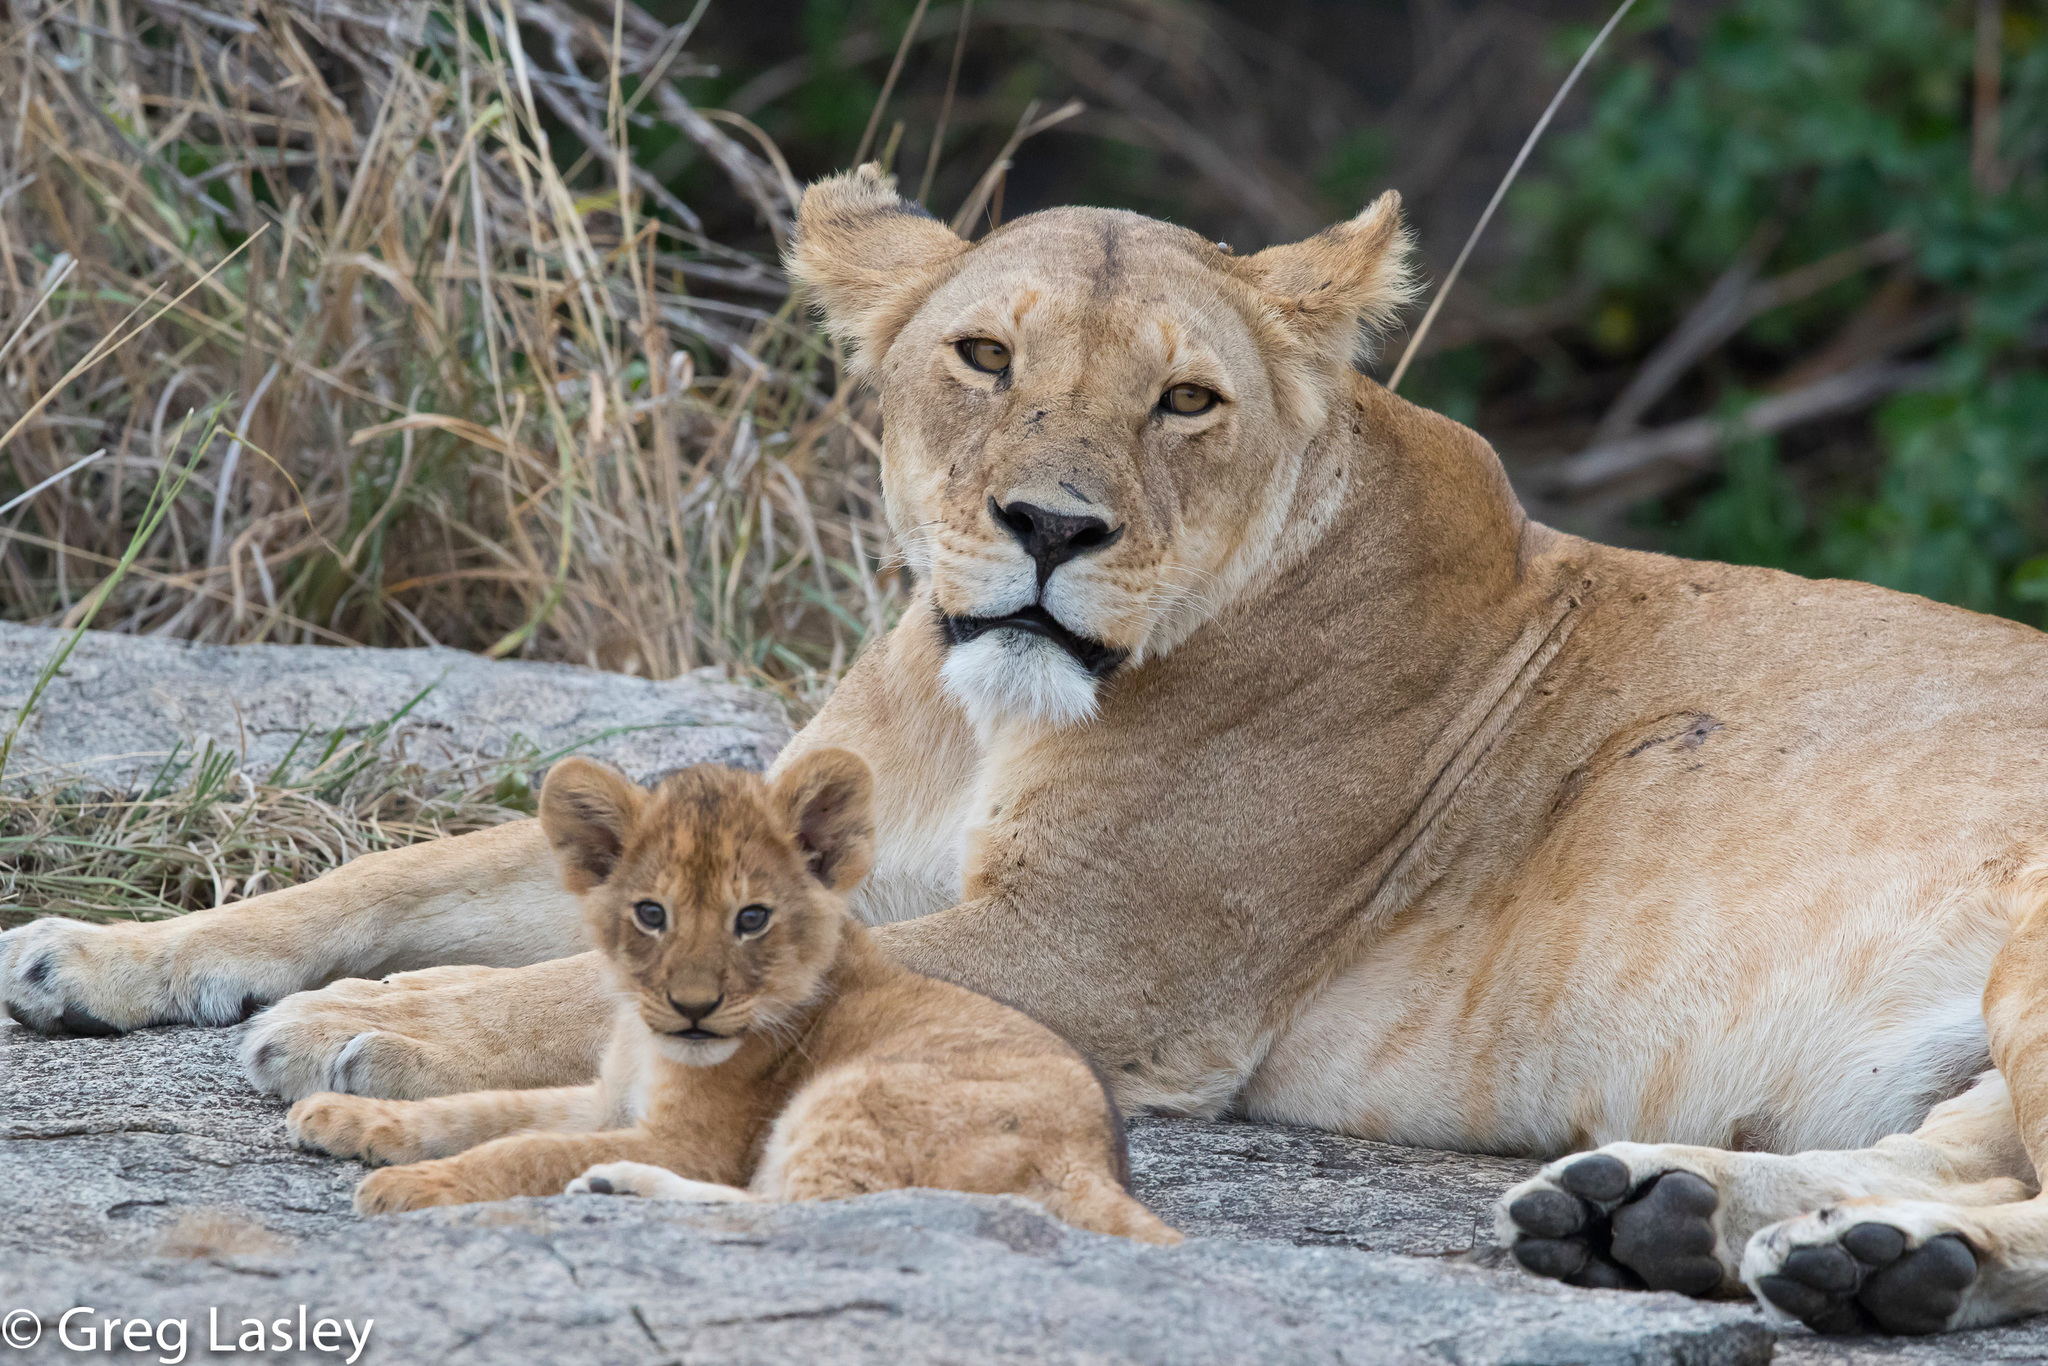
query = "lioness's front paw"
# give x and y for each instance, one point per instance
(422, 1185)
(1625, 1217)
(65, 977)
(1891, 1268)
(370, 1131)
(350, 1037)
(60, 977)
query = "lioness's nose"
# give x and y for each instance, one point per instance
(1052, 538)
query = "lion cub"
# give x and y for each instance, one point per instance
(764, 1047)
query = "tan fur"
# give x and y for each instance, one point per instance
(1403, 816)
(832, 1070)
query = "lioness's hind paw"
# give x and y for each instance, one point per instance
(1851, 1269)
(1594, 1221)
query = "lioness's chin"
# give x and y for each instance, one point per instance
(696, 1052)
(1011, 675)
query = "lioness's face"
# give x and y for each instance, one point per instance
(718, 900)
(1094, 425)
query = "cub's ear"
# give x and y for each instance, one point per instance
(827, 798)
(587, 810)
(870, 257)
(1337, 291)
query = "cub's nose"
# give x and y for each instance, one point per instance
(695, 1011)
(1052, 538)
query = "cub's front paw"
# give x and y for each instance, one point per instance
(1889, 1268)
(419, 1186)
(1623, 1218)
(370, 1131)
(651, 1182)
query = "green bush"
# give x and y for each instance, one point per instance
(1825, 123)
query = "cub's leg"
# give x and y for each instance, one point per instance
(1900, 1262)
(847, 1135)
(1671, 1216)
(385, 1132)
(490, 898)
(521, 1164)
(653, 1183)
(437, 1031)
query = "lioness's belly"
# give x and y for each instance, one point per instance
(1817, 1016)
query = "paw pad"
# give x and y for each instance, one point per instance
(1595, 1229)
(1869, 1282)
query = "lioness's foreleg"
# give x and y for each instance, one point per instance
(1905, 1263)
(437, 1031)
(490, 898)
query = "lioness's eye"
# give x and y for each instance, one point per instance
(989, 357)
(751, 920)
(1188, 400)
(650, 914)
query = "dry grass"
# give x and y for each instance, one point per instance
(455, 385)
(203, 832)
(475, 394)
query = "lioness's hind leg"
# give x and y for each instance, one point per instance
(1964, 1257)
(436, 1032)
(1670, 1216)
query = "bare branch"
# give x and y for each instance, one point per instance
(1694, 443)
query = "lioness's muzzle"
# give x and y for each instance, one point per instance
(1097, 658)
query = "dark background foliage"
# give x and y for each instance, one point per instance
(1772, 291)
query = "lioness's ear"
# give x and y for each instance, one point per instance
(1337, 291)
(587, 810)
(827, 798)
(870, 257)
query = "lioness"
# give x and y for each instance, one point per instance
(1248, 733)
(763, 1047)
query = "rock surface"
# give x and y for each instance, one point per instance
(121, 702)
(144, 1178)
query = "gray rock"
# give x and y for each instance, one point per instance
(141, 1175)
(1311, 1188)
(122, 702)
(143, 1178)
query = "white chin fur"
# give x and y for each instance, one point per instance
(696, 1052)
(1008, 675)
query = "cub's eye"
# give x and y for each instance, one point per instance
(1188, 400)
(989, 357)
(651, 914)
(751, 920)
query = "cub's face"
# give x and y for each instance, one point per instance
(1094, 423)
(718, 900)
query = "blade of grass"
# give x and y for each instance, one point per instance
(1500, 193)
